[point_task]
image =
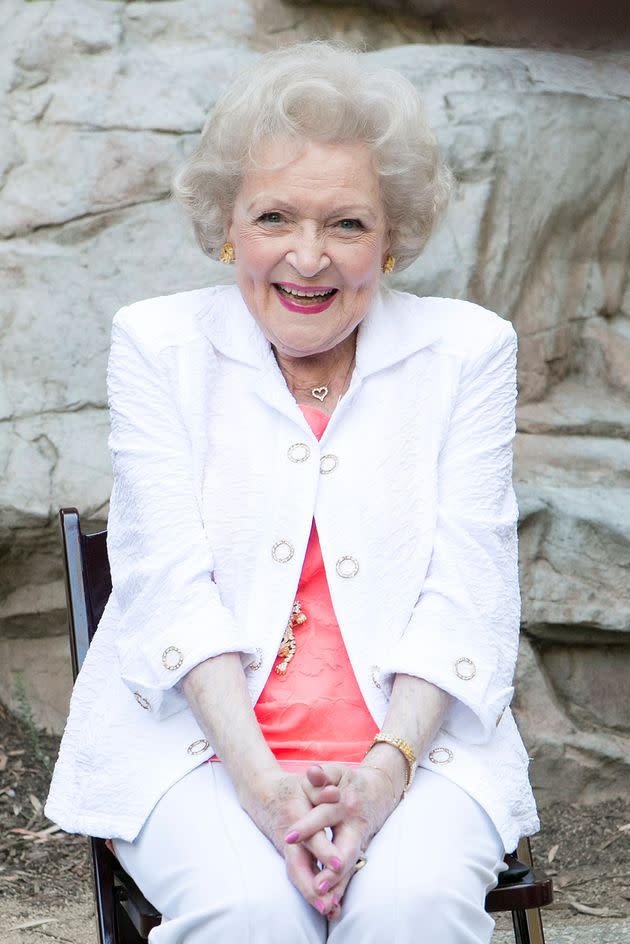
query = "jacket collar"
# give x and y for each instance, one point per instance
(228, 324)
(396, 325)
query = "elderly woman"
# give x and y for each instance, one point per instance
(293, 720)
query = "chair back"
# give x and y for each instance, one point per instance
(88, 582)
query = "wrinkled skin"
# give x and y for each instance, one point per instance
(353, 801)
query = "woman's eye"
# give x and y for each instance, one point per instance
(271, 217)
(350, 224)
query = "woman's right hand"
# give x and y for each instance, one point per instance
(276, 800)
(367, 796)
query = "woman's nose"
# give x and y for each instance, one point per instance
(308, 257)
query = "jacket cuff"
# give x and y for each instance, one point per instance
(152, 669)
(467, 676)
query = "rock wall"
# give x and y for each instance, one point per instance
(579, 24)
(100, 101)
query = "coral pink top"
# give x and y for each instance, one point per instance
(315, 711)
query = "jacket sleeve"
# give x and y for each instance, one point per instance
(463, 632)
(171, 615)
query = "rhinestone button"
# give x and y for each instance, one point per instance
(198, 747)
(282, 551)
(142, 701)
(376, 671)
(441, 755)
(298, 452)
(172, 658)
(256, 664)
(347, 566)
(465, 669)
(328, 464)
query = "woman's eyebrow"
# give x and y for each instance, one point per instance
(351, 209)
(268, 200)
(354, 209)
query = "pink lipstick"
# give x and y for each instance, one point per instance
(305, 299)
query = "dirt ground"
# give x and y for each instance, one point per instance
(45, 880)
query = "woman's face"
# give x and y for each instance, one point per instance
(315, 225)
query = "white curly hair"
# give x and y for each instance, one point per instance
(319, 91)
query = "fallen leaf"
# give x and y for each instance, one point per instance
(21, 831)
(552, 853)
(36, 804)
(596, 912)
(46, 834)
(31, 924)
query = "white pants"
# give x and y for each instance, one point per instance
(217, 879)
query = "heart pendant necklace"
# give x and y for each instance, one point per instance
(321, 392)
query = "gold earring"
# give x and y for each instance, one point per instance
(227, 253)
(389, 264)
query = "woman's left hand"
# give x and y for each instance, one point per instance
(367, 796)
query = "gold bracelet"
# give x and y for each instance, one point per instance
(405, 749)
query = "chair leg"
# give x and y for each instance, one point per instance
(127, 933)
(532, 916)
(104, 898)
(524, 851)
(521, 928)
(535, 926)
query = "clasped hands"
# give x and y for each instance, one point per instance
(293, 810)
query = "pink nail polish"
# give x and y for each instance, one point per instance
(293, 836)
(321, 907)
(324, 887)
(335, 863)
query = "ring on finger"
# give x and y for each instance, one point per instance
(361, 861)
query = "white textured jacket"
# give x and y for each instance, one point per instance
(217, 477)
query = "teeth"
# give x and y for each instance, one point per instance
(298, 294)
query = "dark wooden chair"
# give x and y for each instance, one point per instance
(124, 916)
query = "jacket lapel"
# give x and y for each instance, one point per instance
(396, 325)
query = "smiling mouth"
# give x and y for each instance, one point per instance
(303, 296)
